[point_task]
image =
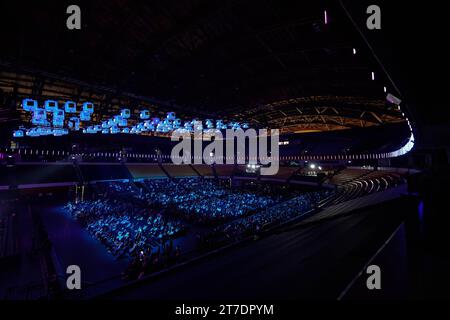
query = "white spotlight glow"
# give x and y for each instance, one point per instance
(373, 75)
(384, 89)
(354, 50)
(312, 166)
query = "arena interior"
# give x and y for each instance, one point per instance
(88, 179)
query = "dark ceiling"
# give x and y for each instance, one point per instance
(218, 58)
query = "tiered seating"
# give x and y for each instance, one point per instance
(281, 213)
(346, 175)
(364, 183)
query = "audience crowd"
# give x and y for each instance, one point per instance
(123, 228)
(141, 220)
(206, 200)
(270, 217)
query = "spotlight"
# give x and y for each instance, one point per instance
(312, 166)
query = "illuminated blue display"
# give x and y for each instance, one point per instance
(116, 124)
(32, 132)
(209, 124)
(88, 107)
(117, 119)
(70, 107)
(144, 114)
(149, 126)
(85, 116)
(234, 125)
(36, 132)
(88, 130)
(39, 117)
(220, 125)
(125, 113)
(141, 127)
(91, 129)
(45, 131)
(18, 134)
(74, 123)
(60, 132)
(134, 130)
(159, 127)
(171, 116)
(114, 130)
(123, 122)
(197, 124)
(29, 105)
(176, 124)
(188, 125)
(51, 105)
(164, 126)
(58, 118)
